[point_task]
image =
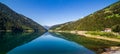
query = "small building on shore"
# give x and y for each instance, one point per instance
(108, 30)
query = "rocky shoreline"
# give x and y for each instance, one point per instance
(112, 50)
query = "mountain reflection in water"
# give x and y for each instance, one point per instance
(50, 44)
(9, 40)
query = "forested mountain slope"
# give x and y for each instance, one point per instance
(10, 20)
(104, 18)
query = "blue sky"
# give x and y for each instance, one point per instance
(51, 12)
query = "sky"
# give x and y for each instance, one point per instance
(51, 12)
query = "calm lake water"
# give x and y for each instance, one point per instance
(40, 44)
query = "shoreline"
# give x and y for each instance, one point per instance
(110, 50)
(83, 33)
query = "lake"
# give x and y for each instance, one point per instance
(45, 44)
(48, 43)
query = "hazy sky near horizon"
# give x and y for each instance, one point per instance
(51, 12)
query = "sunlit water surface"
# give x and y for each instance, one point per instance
(50, 44)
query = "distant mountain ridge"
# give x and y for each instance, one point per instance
(46, 27)
(104, 18)
(59, 26)
(10, 20)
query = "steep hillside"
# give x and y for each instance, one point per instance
(105, 18)
(59, 26)
(10, 20)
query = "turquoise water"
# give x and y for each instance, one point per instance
(50, 44)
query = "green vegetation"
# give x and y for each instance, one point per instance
(97, 21)
(10, 20)
(96, 45)
(104, 34)
(9, 40)
(59, 26)
(116, 28)
(114, 15)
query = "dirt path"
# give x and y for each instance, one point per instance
(104, 38)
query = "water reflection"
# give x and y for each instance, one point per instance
(8, 41)
(50, 44)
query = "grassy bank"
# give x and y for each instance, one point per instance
(97, 45)
(104, 34)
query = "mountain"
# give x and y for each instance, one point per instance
(10, 20)
(104, 18)
(59, 26)
(46, 27)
